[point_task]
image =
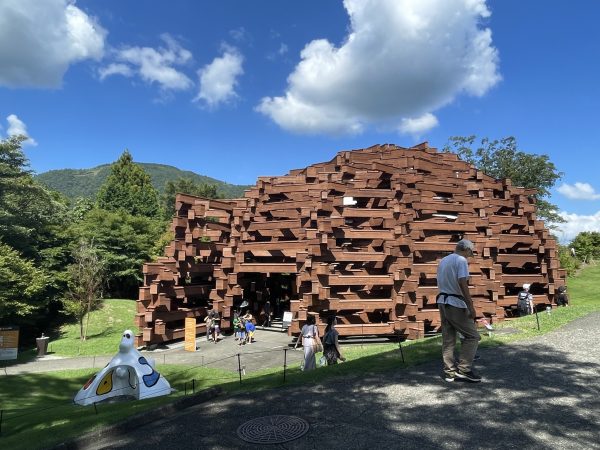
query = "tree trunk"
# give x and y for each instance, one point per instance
(81, 334)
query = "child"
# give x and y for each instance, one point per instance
(236, 325)
(250, 327)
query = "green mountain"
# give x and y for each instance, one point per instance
(75, 183)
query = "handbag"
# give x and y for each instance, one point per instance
(319, 346)
(322, 361)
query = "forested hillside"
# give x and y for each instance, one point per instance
(75, 183)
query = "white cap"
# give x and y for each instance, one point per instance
(526, 286)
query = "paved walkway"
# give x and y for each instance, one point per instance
(267, 351)
(537, 394)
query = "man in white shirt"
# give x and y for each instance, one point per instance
(457, 313)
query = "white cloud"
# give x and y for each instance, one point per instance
(240, 35)
(39, 40)
(575, 224)
(219, 78)
(281, 51)
(17, 127)
(115, 69)
(418, 125)
(578, 191)
(402, 59)
(153, 65)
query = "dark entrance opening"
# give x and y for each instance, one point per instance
(278, 289)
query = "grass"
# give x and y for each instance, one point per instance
(38, 411)
(106, 326)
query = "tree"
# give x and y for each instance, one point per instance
(86, 277)
(502, 159)
(129, 188)
(27, 209)
(32, 224)
(587, 246)
(568, 261)
(185, 186)
(123, 242)
(21, 287)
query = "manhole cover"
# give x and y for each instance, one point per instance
(272, 429)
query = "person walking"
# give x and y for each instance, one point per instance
(267, 313)
(213, 322)
(457, 313)
(525, 301)
(310, 340)
(331, 346)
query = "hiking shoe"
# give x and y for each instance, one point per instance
(469, 376)
(449, 376)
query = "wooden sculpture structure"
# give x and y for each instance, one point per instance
(359, 237)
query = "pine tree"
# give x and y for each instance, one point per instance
(129, 188)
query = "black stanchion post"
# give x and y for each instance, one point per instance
(284, 362)
(185, 388)
(240, 367)
(193, 386)
(95, 408)
(400, 347)
(1, 414)
(537, 319)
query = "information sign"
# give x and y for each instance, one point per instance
(190, 334)
(9, 342)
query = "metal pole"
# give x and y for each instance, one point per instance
(537, 319)
(362, 338)
(400, 347)
(239, 367)
(185, 388)
(95, 409)
(284, 362)
(193, 386)
(94, 362)
(1, 414)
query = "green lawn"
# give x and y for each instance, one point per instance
(37, 408)
(106, 326)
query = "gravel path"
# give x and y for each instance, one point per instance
(536, 394)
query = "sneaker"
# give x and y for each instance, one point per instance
(449, 376)
(469, 376)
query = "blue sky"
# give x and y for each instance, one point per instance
(240, 89)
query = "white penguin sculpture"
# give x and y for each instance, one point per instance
(127, 374)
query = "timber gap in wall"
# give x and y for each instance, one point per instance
(360, 237)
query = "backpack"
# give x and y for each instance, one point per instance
(523, 302)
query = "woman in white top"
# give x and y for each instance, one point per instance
(310, 339)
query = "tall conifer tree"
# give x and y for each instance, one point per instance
(129, 188)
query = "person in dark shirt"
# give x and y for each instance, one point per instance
(562, 299)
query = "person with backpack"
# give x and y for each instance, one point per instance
(525, 301)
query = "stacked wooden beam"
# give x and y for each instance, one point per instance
(361, 236)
